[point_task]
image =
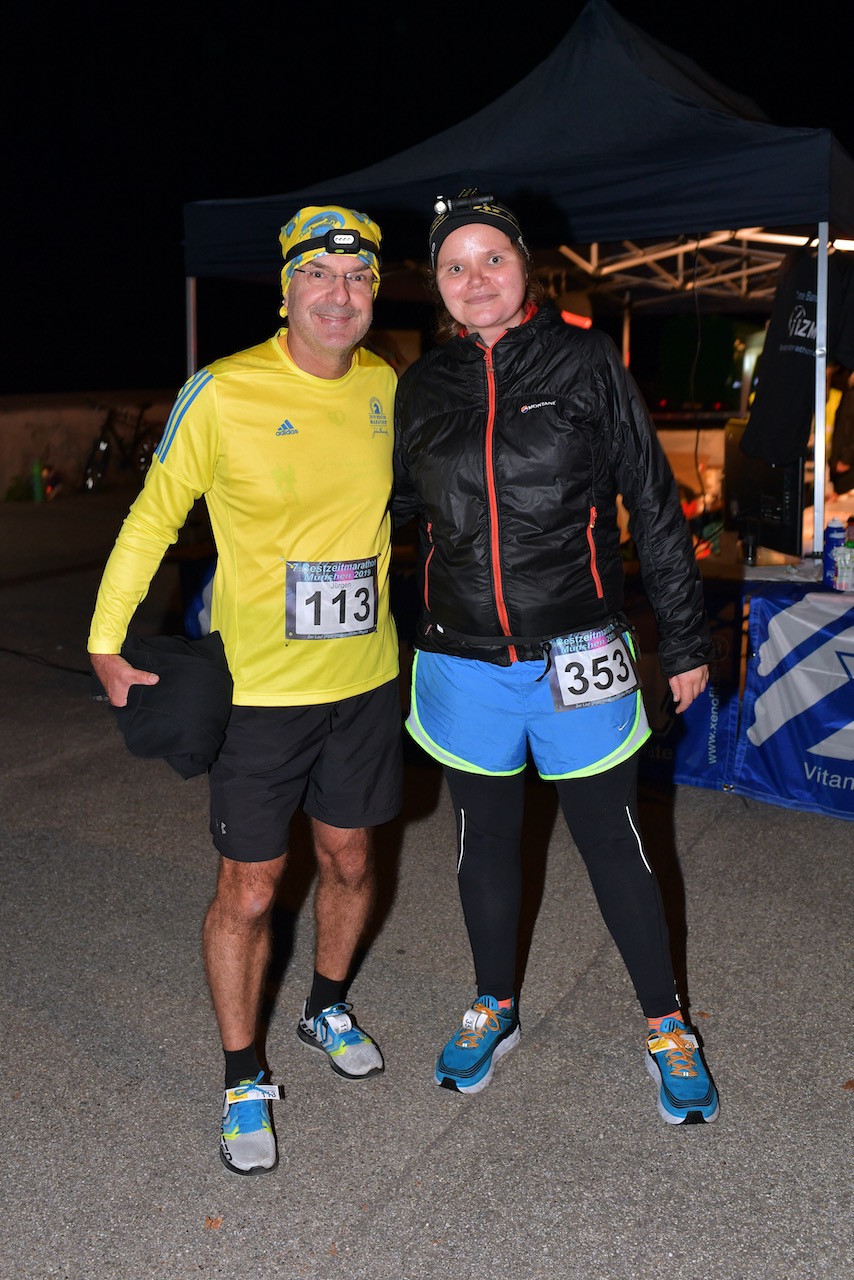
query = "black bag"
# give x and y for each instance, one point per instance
(182, 719)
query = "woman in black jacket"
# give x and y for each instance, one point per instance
(513, 441)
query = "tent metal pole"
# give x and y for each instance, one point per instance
(820, 432)
(192, 341)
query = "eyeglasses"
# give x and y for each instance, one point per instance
(320, 278)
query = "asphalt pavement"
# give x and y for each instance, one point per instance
(560, 1170)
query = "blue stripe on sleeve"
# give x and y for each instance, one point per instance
(186, 396)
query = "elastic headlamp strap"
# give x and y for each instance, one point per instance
(335, 241)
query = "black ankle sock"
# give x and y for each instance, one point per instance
(325, 992)
(240, 1064)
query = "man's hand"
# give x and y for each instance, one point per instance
(687, 686)
(117, 676)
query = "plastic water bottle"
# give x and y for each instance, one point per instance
(844, 557)
(834, 536)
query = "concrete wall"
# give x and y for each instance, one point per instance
(58, 430)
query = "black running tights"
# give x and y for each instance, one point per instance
(602, 816)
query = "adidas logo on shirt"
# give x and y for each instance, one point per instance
(287, 429)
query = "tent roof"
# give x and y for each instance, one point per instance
(613, 138)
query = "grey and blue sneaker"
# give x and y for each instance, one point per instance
(467, 1062)
(352, 1053)
(247, 1142)
(686, 1094)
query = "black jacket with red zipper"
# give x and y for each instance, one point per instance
(512, 458)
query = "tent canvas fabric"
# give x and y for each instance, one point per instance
(613, 137)
(612, 141)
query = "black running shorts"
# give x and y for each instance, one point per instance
(341, 762)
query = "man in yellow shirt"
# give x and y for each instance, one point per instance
(290, 444)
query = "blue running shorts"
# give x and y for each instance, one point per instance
(482, 718)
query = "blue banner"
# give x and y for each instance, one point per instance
(697, 747)
(796, 736)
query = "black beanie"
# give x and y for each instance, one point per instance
(470, 206)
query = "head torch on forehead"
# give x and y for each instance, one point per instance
(337, 240)
(321, 230)
(471, 206)
(462, 202)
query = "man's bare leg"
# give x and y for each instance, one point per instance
(343, 902)
(344, 897)
(236, 945)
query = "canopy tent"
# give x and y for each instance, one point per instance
(624, 161)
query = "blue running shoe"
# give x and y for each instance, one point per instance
(352, 1053)
(247, 1143)
(467, 1062)
(673, 1058)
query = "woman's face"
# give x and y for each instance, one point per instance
(482, 280)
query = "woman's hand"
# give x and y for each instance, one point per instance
(687, 686)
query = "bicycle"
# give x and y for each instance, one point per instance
(133, 450)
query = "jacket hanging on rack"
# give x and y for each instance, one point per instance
(780, 421)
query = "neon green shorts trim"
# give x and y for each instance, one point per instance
(483, 718)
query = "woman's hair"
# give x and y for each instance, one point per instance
(446, 327)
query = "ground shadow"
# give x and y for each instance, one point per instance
(421, 786)
(291, 899)
(656, 810)
(423, 780)
(541, 809)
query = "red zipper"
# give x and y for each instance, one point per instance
(427, 566)
(591, 525)
(493, 505)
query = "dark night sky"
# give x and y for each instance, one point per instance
(114, 118)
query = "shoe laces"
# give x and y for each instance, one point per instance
(337, 1018)
(679, 1048)
(246, 1085)
(476, 1022)
(337, 1024)
(252, 1114)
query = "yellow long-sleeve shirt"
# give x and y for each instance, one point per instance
(296, 472)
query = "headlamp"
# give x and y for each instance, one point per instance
(337, 240)
(458, 204)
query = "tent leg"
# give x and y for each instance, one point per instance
(192, 340)
(820, 433)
